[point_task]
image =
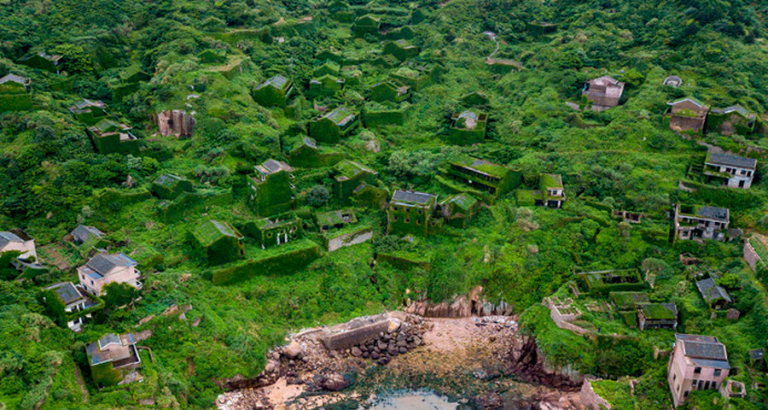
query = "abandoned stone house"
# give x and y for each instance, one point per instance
(43, 61)
(85, 234)
(475, 99)
(673, 81)
(687, 115)
(366, 25)
(109, 137)
(731, 120)
(170, 186)
(334, 219)
(696, 363)
(273, 92)
(89, 112)
(334, 125)
(349, 177)
(14, 93)
(604, 92)
(412, 212)
(484, 176)
(327, 68)
(390, 91)
(112, 357)
(730, 170)
(551, 193)
(326, 85)
(275, 231)
(702, 222)
(178, 123)
(104, 269)
(458, 210)
(401, 49)
(77, 305)
(612, 280)
(467, 127)
(218, 242)
(271, 189)
(715, 296)
(18, 240)
(657, 316)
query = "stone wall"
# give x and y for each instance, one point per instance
(562, 320)
(751, 256)
(590, 399)
(349, 239)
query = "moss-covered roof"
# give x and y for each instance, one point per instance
(339, 217)
(481, 165)
(351, 169)
(463, 201)
(168, 180)
(211, 231)
(660, 311)
(551, 181)
(628, 300)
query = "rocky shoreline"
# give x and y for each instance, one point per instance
(479, 362)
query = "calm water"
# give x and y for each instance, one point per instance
(413, 401)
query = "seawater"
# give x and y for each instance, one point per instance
(413, 400)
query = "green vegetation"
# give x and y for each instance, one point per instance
(246, 70)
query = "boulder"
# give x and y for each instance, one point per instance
(332, 381)
(292, 350)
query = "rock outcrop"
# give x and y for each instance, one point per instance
(175, 122)
(526, 361)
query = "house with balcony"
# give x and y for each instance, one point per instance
(270, 188)
(109, 137)
(732, 120)
(467, 127)
(687, 115)
(331, 127)
(112, 357)
(697, 222)
(550, 193)
(104, 269)
(70, 304)
(275, 231)
(696, 363)
(18, 240)
(484, 176)
(603, 93)
(730, 170)
(412, 212)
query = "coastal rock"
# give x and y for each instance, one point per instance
(488, 401)
(292, 350)
(332, 382)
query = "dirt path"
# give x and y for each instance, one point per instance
(79, 378)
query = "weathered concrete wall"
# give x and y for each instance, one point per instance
(592, 400)
(563, 320)
(355, 332)
(352, 238)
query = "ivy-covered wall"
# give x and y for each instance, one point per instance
(283, 260)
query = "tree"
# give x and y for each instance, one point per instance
(318, 196)
(119, 294)
(76, 59)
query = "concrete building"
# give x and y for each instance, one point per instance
(604, 92)
(104, 269)
(730, 170)
(696, 363)
(75, 302)
(703, 222)
(18, 240)
(687, 115)
(111, 357)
